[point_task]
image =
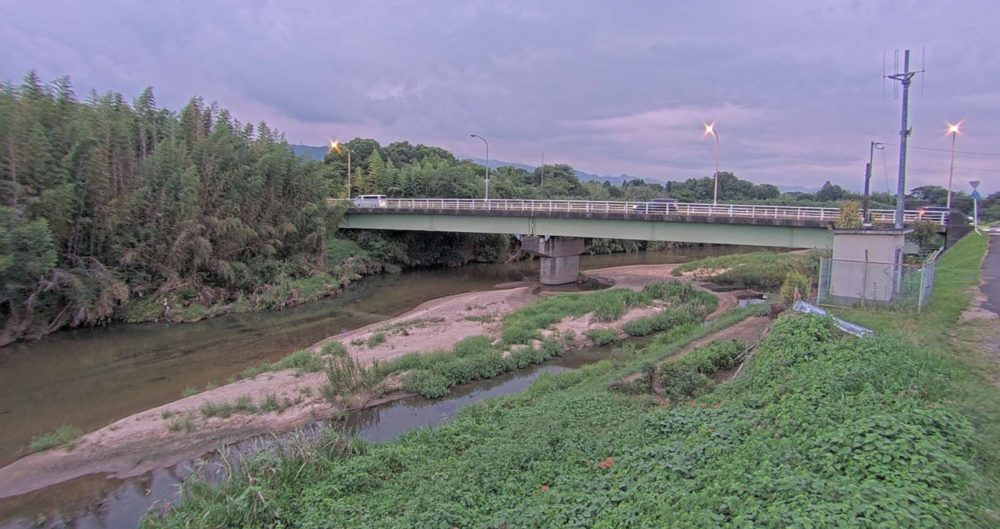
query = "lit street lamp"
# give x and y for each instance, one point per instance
(337, 146)
(953, 130)
(710, 129)
(487, 163)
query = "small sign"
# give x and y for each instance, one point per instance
(975, 195)
(974, 184)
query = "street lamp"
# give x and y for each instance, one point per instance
(487, 163)
(710, 129)
(868, 178)
(954, 131)
(337, 146)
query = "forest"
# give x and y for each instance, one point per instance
(118, 210)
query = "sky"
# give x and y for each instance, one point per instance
(795, 88)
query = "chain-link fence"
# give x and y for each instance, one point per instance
(846, 283)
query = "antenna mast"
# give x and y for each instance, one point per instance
(904, 77)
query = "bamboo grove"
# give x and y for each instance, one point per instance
(103, 200)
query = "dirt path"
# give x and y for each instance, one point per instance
(164, 435)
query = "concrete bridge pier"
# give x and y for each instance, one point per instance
(560, 257)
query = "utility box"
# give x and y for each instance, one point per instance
(867, 266)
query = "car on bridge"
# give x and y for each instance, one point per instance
(656, 205)
(371, 201)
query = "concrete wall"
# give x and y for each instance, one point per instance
(559, 270)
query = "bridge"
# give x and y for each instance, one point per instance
(555, 229)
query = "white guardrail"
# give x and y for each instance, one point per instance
(879, 216)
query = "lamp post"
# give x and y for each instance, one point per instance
(953, 130)
(337, 146)
(975, 203)
(710, 129)
(868, 178)
(487, 163)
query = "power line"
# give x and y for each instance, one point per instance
(946, 150)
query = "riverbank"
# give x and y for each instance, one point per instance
(286, 399)
(891, 430)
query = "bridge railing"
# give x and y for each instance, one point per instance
(879, 216)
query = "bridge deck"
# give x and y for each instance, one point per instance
(775, 226)
(673, 212)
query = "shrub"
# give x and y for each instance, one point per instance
(796, 286)
(689, 376)
(428, 383)
(334, 349)
(270, 403)
(302, 360)
(639, 327)
(473, 345)
(602, 336)
(850, 215)
(375, 339)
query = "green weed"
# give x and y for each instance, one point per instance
(66, 435)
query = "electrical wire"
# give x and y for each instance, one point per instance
(944, 150)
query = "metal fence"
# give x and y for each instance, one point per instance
(847, 283)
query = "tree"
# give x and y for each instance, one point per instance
(830, 193)
(929, 195)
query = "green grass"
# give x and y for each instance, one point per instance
(524, 324)
(302, 361)
(376, 339)
(242, 405)
(602, 336)
(821, 430)
(763, 270)
(66, 435)
(339, 250)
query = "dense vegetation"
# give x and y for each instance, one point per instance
(822, 430)
(104, 200)
(765, 270)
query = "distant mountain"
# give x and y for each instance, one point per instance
(797, 189)
(310, 152)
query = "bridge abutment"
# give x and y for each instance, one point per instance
(560, 257)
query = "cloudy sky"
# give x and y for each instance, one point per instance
(609, 87)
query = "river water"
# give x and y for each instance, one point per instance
(92, 377)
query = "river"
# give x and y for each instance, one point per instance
(92, 377)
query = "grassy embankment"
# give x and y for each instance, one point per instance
(821, 430)
(765, 270)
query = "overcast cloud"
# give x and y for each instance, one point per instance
(609, 87)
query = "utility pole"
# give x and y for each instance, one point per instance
(543, 169)
(868, 178)
(904, 77)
